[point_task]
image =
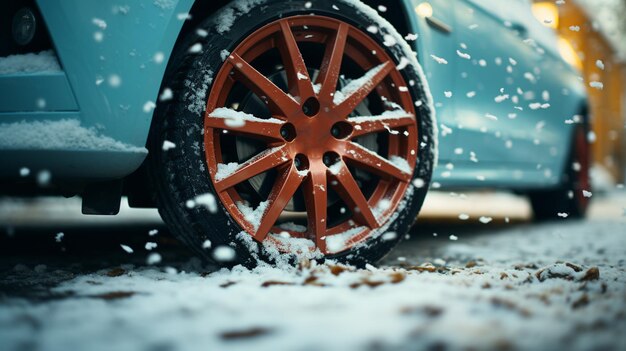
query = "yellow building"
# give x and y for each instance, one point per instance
(600, 61)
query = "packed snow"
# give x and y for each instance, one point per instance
(196, 98)
(226, 169)
(64, 134)
(226, 18)
(338, 242)
(520, 286)
(234, 118)
(253, 215)
(336, 168)
(45, 61)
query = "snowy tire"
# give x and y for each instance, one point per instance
(570, 199)
(276, 155)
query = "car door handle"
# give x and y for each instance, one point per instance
(518, 27)
(438, 25)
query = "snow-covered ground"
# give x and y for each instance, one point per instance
(504, 284)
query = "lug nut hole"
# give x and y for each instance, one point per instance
(301, 162)
(288, 132)
(330, 158)
(311, 107)
(341, 130)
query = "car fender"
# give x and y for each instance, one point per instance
(115, 58)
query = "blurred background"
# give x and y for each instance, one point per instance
(593, 35)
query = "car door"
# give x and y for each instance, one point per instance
(498, 79)
(435, 43)
(556, 95)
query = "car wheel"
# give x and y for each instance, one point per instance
(297, 129)
(571, 198)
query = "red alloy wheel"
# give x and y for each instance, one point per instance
(311, 136)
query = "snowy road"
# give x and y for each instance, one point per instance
(496, 285)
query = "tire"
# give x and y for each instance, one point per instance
(216, 224)
(569, 198)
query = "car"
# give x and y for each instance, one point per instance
(280, 131)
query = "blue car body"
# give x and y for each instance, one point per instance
(495, 49)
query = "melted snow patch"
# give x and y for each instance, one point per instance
(45, 61)
(65, 134)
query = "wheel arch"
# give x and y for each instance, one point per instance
(583, 110)
(200, 10)
(137, 189)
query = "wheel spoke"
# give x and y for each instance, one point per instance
(356, 91)
(362, 157)
(349, 190)
(280, 103)
(297, 74)
(331, 63)
(260, 163)
(376, 124)
(240, 123)
(309, 121)
(316, 199)
(284, 188)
